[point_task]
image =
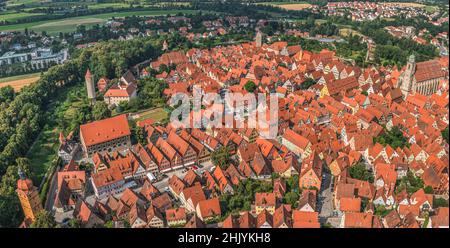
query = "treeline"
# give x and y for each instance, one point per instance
(327, 28)
(391, 50)
(251, 10)
(22, 119)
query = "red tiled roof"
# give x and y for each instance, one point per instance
(105, 130)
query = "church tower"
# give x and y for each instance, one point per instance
(89, 78)
(407, 79)
(258, 39)
(29, 197)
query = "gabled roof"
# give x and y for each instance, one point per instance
(265, 199)
(209, 208)
(296, 139)
(302, 219)
(104, 130)
(358, 220)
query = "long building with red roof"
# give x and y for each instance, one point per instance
(107, 135)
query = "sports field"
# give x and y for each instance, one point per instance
(18, 82)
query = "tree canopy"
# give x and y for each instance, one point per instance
(250, 86)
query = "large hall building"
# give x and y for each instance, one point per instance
(421, 77)
(107, 135)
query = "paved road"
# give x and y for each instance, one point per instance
(325, 199)
(52, 191)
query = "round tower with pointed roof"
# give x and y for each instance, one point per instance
(28, 196)
(258, 39)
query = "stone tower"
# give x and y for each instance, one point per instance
(258, 39)
(29, 197)
(165, 46)
(90, 86)
(407, 78)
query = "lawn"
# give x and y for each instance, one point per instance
(43, 152)
(70, 24)
(157, 114)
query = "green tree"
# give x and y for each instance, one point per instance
(445, 134)
(359, 171)
(7, 94)
(109, 224)
(250, 86)
(24, 165)
(428, 190)
(440, 202)
(10, 213)
(43, 220)
(382, 211)
(393, 137)
(410, 182)
(292, 184)
(141, 136)
(101, 111)
(74, 223)
(221, 157)
(307, 83)
(291, 198)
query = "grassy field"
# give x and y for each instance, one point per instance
(289, 5)
(20, 2)
(430, 9)
(43, 152)
(17, 82)
(156, 114)
(14, 16)
(108, 5)
(70, 24)
(347, 31)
